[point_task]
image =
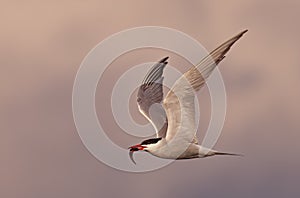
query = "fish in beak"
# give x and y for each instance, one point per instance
(134, 148)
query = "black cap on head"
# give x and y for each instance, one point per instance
(150, 141)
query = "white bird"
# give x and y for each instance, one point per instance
(174, 119)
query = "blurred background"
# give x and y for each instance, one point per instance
(42, 44)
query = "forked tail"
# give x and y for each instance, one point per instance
(232, 154)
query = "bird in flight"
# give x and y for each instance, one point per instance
(173, 117)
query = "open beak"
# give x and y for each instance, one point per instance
(134, 148)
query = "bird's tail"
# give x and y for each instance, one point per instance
(232, 154)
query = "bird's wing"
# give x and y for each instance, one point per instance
(150, 96)
(179, 102)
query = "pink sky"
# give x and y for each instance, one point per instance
(42, 46)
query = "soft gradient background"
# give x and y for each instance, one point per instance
(42, 44)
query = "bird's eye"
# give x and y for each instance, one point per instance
(139, 99)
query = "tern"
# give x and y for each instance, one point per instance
(173, 117)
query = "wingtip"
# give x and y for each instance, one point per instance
(164, 60)
(243, 32)
(246, 30)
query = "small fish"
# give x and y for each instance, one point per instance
(131, 154)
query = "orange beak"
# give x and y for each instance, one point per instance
(137, 147)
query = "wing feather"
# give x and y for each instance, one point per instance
(150, 96)
(179, 102)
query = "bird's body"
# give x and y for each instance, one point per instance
(173, 117)
(163, 150)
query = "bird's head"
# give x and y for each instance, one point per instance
(144, 146)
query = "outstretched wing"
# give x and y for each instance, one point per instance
(150, 96)
(179, 102)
